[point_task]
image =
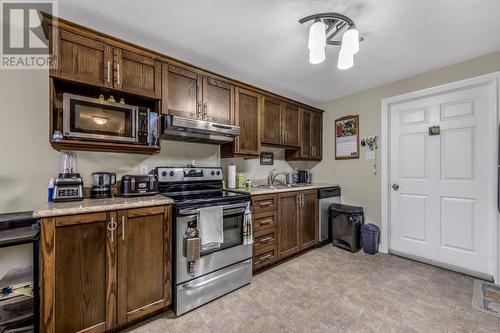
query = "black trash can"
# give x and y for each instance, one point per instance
(370, 235)
(346, 222)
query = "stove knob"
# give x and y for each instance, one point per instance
(164, 174)
(212, 173)
(218, 173)
(171, 173)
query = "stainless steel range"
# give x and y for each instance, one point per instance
(219, 268)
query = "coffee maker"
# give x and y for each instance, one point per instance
(101, 184)
(68, 185)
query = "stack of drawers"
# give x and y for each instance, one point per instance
(265, 230)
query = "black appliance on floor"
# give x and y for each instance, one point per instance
(19, 313)
(346, 222)
(219, 268)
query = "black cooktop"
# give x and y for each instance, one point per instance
(209, 198)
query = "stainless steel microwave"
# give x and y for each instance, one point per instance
(94, 119)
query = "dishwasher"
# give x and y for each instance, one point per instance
(326, 196)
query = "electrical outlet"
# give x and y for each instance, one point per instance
(143, 169)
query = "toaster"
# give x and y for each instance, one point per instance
(131, 185)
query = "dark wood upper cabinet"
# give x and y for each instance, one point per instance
(310, 136)
(218, 101)
(288, 225)
(84, 268)
(308, 226)
(83, 59)
(271, 122)
(182, 92)
(143, 250)
(247, 115)
(136, 74)
(290, 124)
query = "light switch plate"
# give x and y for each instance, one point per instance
(143, 169)
(370, 154)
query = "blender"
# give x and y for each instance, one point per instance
(101, 184)
(68, 185)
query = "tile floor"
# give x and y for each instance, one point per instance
(331, 290)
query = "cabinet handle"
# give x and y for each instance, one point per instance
(286, 136)
(266, 239)
(123, 227)
(205, 110)
(118, 73)
(198, 110)
(111, 227)
(264, 258)
(265, 204)
(108, 70)
(265, 222)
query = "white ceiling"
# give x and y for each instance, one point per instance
(260, 41)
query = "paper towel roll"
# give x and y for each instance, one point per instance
(231, 176)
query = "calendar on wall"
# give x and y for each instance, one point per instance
(347, 138)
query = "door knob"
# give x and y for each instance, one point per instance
(395, 187)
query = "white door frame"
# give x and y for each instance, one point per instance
(384, 145)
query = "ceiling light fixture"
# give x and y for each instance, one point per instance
(326, 30)
(100, 120)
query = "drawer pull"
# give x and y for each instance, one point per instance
(266, 239)
(265, 204)
(266, 257)
(265, 222)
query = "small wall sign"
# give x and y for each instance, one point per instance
(266, 158)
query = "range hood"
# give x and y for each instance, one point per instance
(195, 130)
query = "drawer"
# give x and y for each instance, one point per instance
(264, 202)
(265, 256)
(265, 220)
(265, 238)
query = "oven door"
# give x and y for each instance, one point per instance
(89, 118)
(213, 257)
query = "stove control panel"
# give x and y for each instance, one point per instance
(169, 174)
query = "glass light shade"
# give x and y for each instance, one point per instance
(317, 56)
(317, 35)
(350, 41)
(346, 59)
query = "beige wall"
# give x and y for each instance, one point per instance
(359, 185)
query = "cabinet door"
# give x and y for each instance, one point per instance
(181, 92)
(218, 101)
(306, 119)
(84, 60)
(144, 269)
(290, 124)
(288, 219)
(308, 219)
(271, 121)
(247, 116)
(317, 135)
(136, 74)
(82, 258)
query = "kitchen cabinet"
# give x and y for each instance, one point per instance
(288, 224)
(308, 217)
(189, 93)
(144, 257)
(280, 123)
(310, 137)
(83, 59)
(265, 228)
(247, 115)
(137, 74)
(102, 269)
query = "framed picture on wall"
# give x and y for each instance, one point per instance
(347, 138)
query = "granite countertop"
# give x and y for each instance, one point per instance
(264, 190)
(52, 209)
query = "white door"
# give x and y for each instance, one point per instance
(444, 207)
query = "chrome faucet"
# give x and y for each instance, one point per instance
(273, 174)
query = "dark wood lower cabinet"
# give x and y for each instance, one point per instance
(288, 222)
(103, 269)
(308, 219)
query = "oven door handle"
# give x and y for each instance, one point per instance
(192, 285)
(242, 207)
